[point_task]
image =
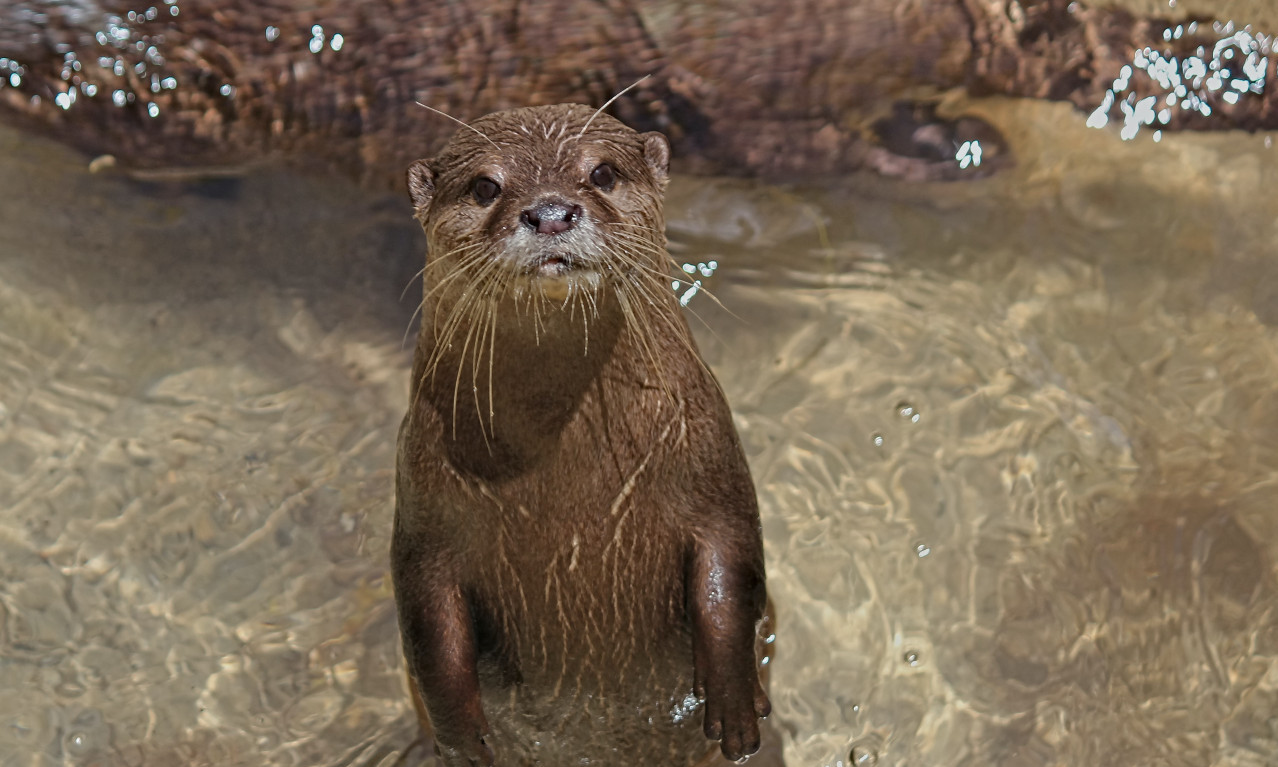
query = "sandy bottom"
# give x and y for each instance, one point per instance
(1015, 440)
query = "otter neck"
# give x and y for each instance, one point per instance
(504, 399)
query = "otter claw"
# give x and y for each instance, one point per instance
(733, 720)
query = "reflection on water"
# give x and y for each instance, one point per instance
(1015, 443)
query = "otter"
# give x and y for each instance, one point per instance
(577, 554)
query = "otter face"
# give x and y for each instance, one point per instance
(555, 197)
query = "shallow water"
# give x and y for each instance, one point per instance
(1014, 442)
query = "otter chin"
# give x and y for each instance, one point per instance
(577, 555)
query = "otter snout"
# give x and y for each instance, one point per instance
(551, 217)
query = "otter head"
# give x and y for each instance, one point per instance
(542, 202)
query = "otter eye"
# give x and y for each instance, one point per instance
(603, 176)
(485, 190)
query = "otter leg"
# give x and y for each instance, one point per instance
(419, 707)
(726, 598)
(439, 645)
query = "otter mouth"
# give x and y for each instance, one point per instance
(553, 267)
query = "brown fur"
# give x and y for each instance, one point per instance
(577, 544)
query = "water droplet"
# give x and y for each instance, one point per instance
(878, 440)
(863, 756)
(911, 657)
(922, 549)
(78, 743)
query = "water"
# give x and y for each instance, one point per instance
(1014, 442)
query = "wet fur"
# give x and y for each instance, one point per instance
(577, 545)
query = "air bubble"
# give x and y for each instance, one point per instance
(863, 756)
(78, 744)
(922, 550)
(911, 657)
(877, 439)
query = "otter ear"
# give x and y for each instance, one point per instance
(421, 184)
(656, 152)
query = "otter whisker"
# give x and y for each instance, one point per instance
(655, 295)
(498, 288)
(638, 226)
(410, 282)
(443, 335)
(416, 313)
(676, 274)
(492, 361)
(473, 308)
(444, 331)
(459, 122)
(422, 303)
(606, 104)
(485, 329)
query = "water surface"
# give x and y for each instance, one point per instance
(1014, 441)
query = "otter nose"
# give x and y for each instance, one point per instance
(551, 217)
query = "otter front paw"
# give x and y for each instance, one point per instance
(732, 711)
(475, 753)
